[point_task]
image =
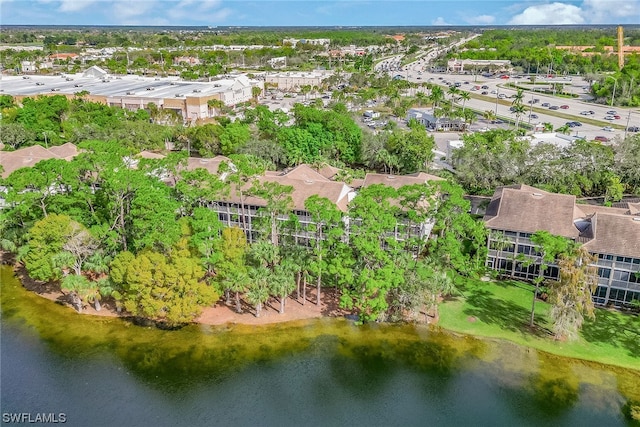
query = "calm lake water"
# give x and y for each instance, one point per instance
(107, 372)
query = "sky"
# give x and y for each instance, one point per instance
(318, 13)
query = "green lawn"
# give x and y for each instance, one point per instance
(502, 309)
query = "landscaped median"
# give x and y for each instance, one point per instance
(502, 309)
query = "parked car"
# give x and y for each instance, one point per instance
(485, 93)
(601, 139)
(564, 107)
(608, 128)
(485, 87)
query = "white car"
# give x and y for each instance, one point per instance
(608, 128)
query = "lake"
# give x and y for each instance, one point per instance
(323, 372)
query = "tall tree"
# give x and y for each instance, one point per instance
(571, 297)
(372, 222)
(279, 203)
(549, 247)
(327, 228)
(231, 267)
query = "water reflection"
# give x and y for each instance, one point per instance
(327, 369)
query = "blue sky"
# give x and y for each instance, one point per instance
(320, 13)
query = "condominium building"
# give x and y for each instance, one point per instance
(612, 234)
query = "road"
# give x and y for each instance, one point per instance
(416, 72)
(495, 87)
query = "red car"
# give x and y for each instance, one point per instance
(601, 139)
(616, 117)
(564, 107)
(504, 77)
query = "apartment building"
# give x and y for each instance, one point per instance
(611, 234)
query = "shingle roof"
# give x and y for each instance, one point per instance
(29, 156)
(336, 192)
(615, 234)
(518, 208)
(210, 165)
(397, 181)
(65, 151)
(150, 155)
(305, 173)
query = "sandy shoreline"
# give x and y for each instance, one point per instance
(218, 314)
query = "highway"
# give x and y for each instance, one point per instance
(417, 72)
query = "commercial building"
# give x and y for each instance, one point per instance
(293, 81)
(431, 122)
(458, 65)
(612, 234)
(188, 99)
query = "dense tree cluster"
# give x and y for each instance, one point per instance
(106, 226)
(498, 157)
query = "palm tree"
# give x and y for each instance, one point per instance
(518, 97)
(564, 129)
(255, 92)
(453, 91)
(465, 96)
(215, 105)
(283, 282)
(436, 96)
(238, 282)
(518, 110)
(489, 115)
(548, 127)
(421, 98)
(258, 292)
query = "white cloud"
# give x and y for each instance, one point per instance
(550, 14)
(201, 11)
(588, 12)
(74, 5)
(598, 11)
(482, 20)
(125, 10)
(439, 21)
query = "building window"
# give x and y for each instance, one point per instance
(605, 273)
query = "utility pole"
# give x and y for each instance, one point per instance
(626, 129)
(530, 110)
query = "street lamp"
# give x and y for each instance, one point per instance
(530, 109)
(497, 94)
(615, 82)
(46, 144)
(626, 129)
